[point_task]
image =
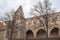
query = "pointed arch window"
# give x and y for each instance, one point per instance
(54, 32)
(29, 34)
(41, 33)
(58, 18)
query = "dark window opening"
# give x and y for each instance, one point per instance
(55, 32)
(41, 34)
(29, 34)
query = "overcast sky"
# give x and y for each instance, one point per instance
(8, 5)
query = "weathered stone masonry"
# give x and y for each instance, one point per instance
(32, 27)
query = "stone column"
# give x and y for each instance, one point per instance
(34, 34)
(48, 33)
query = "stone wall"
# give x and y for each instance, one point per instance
(22, 26)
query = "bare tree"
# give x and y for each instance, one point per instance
(9, 17)
(43, 9)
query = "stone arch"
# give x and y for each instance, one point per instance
(41, 33)
(29, 34)
(54, 32)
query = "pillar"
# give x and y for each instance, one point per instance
(35, 34)
(48, 33)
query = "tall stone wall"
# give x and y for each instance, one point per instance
(22, 26)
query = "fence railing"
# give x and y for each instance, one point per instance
(57, 38)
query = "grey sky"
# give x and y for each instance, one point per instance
(7, 5)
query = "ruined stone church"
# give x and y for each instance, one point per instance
(31, 27)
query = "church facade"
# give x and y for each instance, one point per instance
(34, 27)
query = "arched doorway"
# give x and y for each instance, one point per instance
(41, 33)
(29, 34)
(54, 32)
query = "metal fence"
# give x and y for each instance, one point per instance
(38, 39)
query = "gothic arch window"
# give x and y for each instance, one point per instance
(29, 34)
(57, 18)
(54, 32)
(41, 33)
(28, 23)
